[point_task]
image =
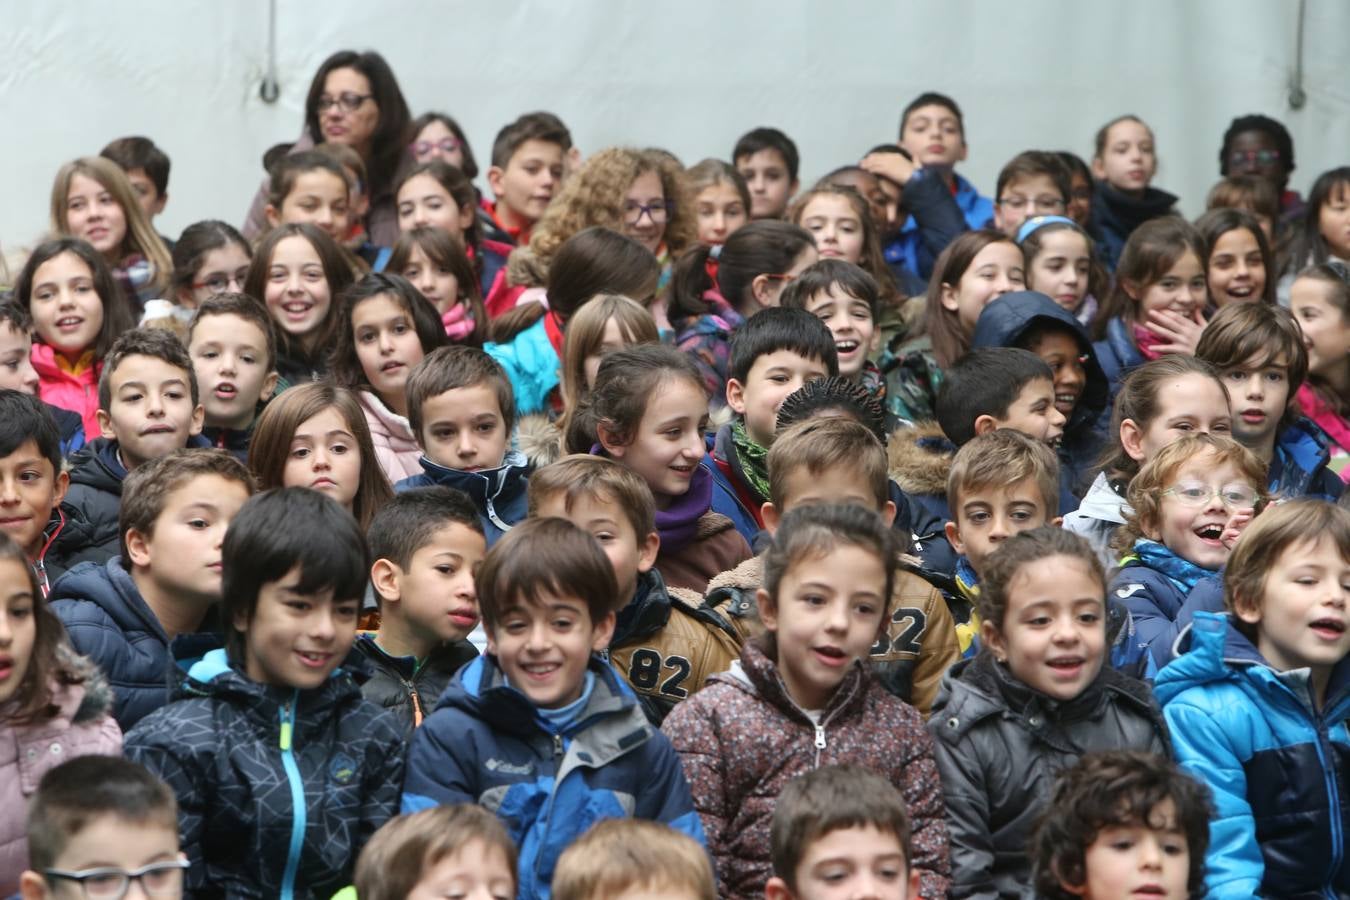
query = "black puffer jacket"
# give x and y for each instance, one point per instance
(94, 498)
(400, 685)
(278, 789)
(1000, 746)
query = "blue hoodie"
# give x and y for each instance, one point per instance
(486, 743)
(1278, 765)
(1299, 466)
(1004, 323)
(498, 493)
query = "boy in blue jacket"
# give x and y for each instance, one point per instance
(462, 409)
(1259, 352)
(540, 729)
(282, 770)
(156, 603)
(1258, 707)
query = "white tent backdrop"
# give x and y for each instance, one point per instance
(690, 76)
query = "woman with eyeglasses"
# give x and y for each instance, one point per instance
(355, 100)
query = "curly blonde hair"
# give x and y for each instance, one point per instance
(1146, 489)
(594, 195)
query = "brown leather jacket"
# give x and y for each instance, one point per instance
(919, 646)
(665, 647)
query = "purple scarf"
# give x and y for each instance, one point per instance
(678, 524)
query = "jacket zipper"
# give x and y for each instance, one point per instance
(1325, 751)
(298, 811)
(548, 812)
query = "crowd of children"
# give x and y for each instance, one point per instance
(642, 531)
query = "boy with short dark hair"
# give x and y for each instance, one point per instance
(841, 830)
(106, 819)
(774, 353)
(426, 545)
(767, 159)
(462, 410)
(528, 165)
(17, 373)
(664, 645)
(148, 407)
(631, 859)
(139, 612)
(1033, 183)
(540, 728)
(1122, 823)
(848, 301)
(282, 770)
(837, 460)
(1032, 321)
(1000, 387)
(1259, 351)
(233, 348)
(147, 168)
(32, 485)
(933, 130)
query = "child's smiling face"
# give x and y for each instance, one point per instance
(1197, 504)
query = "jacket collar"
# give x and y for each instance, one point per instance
(502, 483)
(1301, 449)
(758, 672)
(647, 613)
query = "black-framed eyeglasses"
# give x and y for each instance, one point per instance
(159, 879)
(445, 145)
(658, 211)
(1259, 157)
(348, 101)
(220, 282)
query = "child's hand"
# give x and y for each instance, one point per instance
(1236, 525)
(1181, 333)
(457, 321)
(889, 165)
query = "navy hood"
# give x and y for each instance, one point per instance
(1007, 318)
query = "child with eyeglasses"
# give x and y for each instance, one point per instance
(1191, 502)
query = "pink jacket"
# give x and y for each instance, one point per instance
(84, 726)
(77, 393)
(395, 446)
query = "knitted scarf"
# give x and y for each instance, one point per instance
(1146, 340)
(753, 458)
(1183, 573)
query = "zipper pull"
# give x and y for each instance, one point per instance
(820, 736)
(557, 746)
(286, 728)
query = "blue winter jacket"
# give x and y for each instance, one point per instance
(1278, 765)
(1159, 609)
(936, 218)
(498, 493)
(108, 621)
(532, 365)
(278, 789)
(1299, 466)
(726, 498)
(487, 744)
(1117, 354)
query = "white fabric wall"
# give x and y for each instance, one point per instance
(691, 76)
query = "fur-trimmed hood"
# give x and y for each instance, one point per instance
(540, 439)
(920, 459)
(89, 700)
(525, 269)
